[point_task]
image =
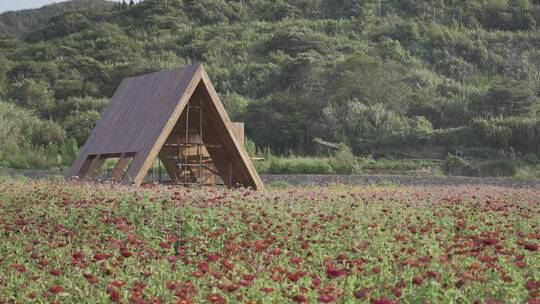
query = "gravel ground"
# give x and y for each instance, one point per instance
(311, 179)
(403, 180)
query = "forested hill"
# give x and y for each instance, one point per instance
(374, 74)
(16, 23)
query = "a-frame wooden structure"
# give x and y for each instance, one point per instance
(177, 117)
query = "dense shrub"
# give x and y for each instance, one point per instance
(299, 166)
(344, 161)
(455, 165)
(499, 168)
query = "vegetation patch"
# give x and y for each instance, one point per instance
(101, 243)
(379, 76)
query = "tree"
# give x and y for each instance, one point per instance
(131, 3)
(124, 4)
(34, 95)
(510, 98)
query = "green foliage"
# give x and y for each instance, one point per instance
(80, 126)
(344, 161)
(31, 94)
(20, 22)
(518, 133)
(20, 127)
(297, 165)
(455, 165)
(376, 75)
(251, 148)
(510, 98)
(51, 156)
(499, 168)
(29, 142)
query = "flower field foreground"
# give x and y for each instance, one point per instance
(68, 243)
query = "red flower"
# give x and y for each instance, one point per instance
(531, 246)
(43, 262)
(521, 264)
(172, 258)
(203, 266)
(56, 289)
(433, 274)
(326, 298)
(55, 272)
(228, 264)
(101, 256)
(172, 285)
(118, 283)
(295, 276)
(230, 287)
(362, 293)
(276, 251)
(417, 280)
(531, 284)
(260, 245)
(300, 298)
(333, 272)
(383, 300)
(376, 270)
(267, 289)
(215, 298)
(77, 256)
(212, 257)
(165, 245)
(489, 242)
(113, 293)
(90, 278)
(296, 260)
(126, 253)
(18, 267)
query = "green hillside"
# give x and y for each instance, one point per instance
(379, 75)
(19, 22)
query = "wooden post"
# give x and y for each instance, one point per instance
(238, 128)
(95, 167)
(85, 167)
(121, 167)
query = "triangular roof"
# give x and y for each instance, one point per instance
(144, 111)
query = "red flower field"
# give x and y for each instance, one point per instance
(68, 243)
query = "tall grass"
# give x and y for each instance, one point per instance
(52, 156)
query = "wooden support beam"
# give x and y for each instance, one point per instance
(239, 132)
(95, 167)
(121, 166)
(85, 166)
